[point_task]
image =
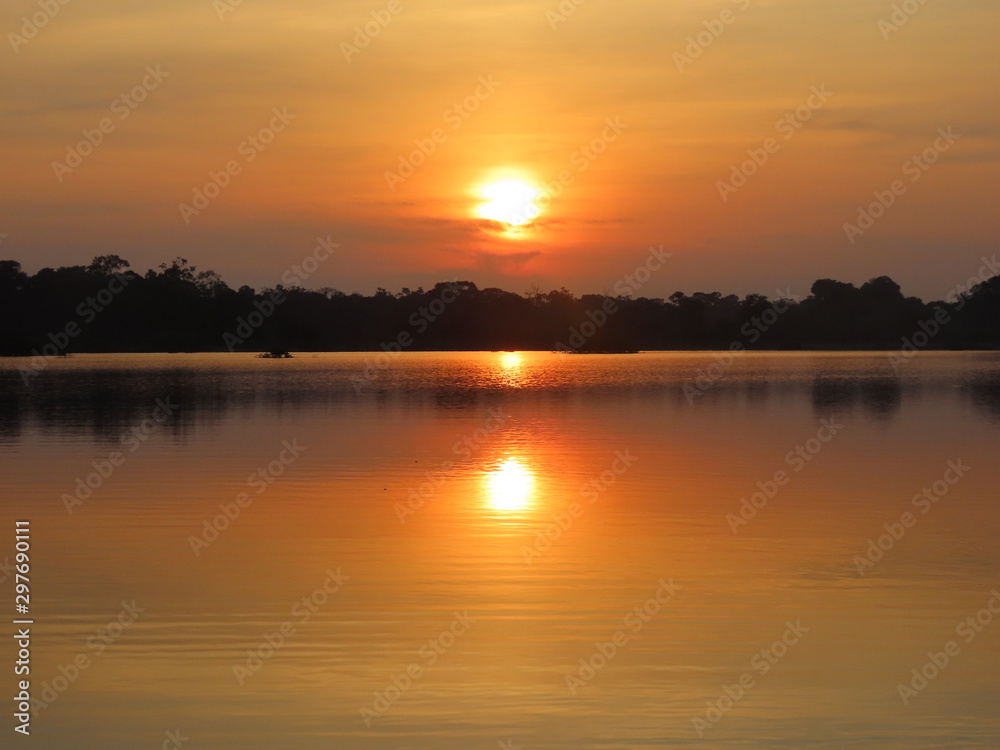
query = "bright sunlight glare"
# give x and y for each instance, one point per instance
(510, 202)
(510, 485)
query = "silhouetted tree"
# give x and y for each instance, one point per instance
(178, 308)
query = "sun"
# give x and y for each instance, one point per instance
(510, 485)
(510, 202)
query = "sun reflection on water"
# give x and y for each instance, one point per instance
(511, 360)
(510, 486)
(510, 369)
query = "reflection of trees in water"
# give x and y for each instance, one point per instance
(104, 404)
(985, 395)
(757, 393)
(879, 397)
(10, 417)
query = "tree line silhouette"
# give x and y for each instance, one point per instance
(107, 307)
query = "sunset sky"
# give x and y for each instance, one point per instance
(535, 83)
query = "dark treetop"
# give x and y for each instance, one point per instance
(106, 307)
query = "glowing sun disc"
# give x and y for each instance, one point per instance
(510, 202)
(510, 485)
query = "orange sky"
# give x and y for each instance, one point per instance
(539, 94)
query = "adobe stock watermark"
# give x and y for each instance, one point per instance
(264, 309)
(60, 340)
(104, 468)
(122, 106)
(989, 268)
(33, 24)
(589, 152)
(463, 448)
(788, 125)
(173, 740)
(751, 331)
(634, 621)
(429, 652)
(591, 491)
(914, 168)
(967, 629)
(601, 483)
(369, 30)
(454, 117)
(581, 160)
(929, 329)
(762, 663)
(6, 570)
(624, 287)
(420, 321)
(900, 16)
(796, 459)
(98, 643)
(249, 148)
(921, 338)
(259, 482)
(223, 8)
(924, 501)
(276, 638)
(562, 12)
(714, 28)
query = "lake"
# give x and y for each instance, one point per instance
(515, 550)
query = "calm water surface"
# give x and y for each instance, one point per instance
(496, 521)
